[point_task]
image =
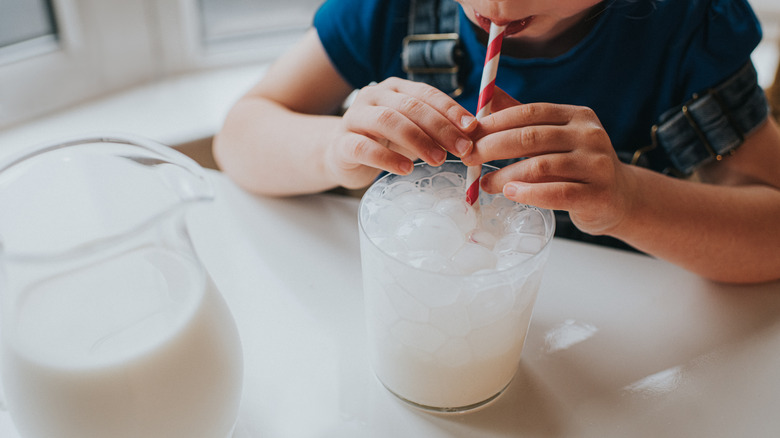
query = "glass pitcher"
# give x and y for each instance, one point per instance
(111, 327)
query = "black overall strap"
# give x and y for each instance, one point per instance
(713, 124)
(431, 50)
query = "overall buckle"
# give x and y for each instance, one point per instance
(408, 67)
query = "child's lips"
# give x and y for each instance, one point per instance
(512, 27)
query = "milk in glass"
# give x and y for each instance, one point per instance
(449, 289)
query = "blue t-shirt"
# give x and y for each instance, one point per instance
(640, 59)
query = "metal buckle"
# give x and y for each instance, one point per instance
(456, 92)
(730, 118)
(643, 150)
(699, 133)
(428, 37)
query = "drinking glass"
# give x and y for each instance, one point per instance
(447, 315)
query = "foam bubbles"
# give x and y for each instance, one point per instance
(430, 231)
(429, 225)
(471, 257)
(416, 200)
(457, 209)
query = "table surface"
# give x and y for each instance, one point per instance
(620, 344)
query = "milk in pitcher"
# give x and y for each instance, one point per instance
(138, 345)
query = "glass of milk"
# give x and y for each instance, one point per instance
(449, 289)
(111, 326)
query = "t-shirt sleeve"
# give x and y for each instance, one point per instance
(709, 49)
(359, 37)
(717, 41)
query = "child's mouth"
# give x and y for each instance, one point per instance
(511, 28)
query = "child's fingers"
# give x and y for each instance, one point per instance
(534, 129)
(541, 169)
(553, 195)
(526, 141)
(530, 114)
(458, 116)
(436, 122)
(380, 122)
(363, 150)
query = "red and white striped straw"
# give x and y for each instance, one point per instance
(473, 173)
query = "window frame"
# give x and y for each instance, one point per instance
(182, 49)
(26, 81)
(109, 45)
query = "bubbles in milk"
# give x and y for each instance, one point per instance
(459, 211)
(429, 231)
(429, 224)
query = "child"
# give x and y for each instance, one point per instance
(640, 118)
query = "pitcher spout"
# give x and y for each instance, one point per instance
(178, 172)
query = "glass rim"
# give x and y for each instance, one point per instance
(547, 214)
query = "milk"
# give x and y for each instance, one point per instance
(449, 290)
(461, 372)
(139, 345)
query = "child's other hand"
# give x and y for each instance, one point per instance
(571, 164)
(393, 123)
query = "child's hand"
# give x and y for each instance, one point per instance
(391, 124)
(571, 163)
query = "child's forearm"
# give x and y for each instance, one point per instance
(268, 149)
(725, 233)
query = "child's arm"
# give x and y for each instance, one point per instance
(724, 227)
(281, 138)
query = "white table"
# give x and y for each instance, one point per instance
(620, 345)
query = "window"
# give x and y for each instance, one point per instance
(56, 53)
(27, 28)
(229, 20)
